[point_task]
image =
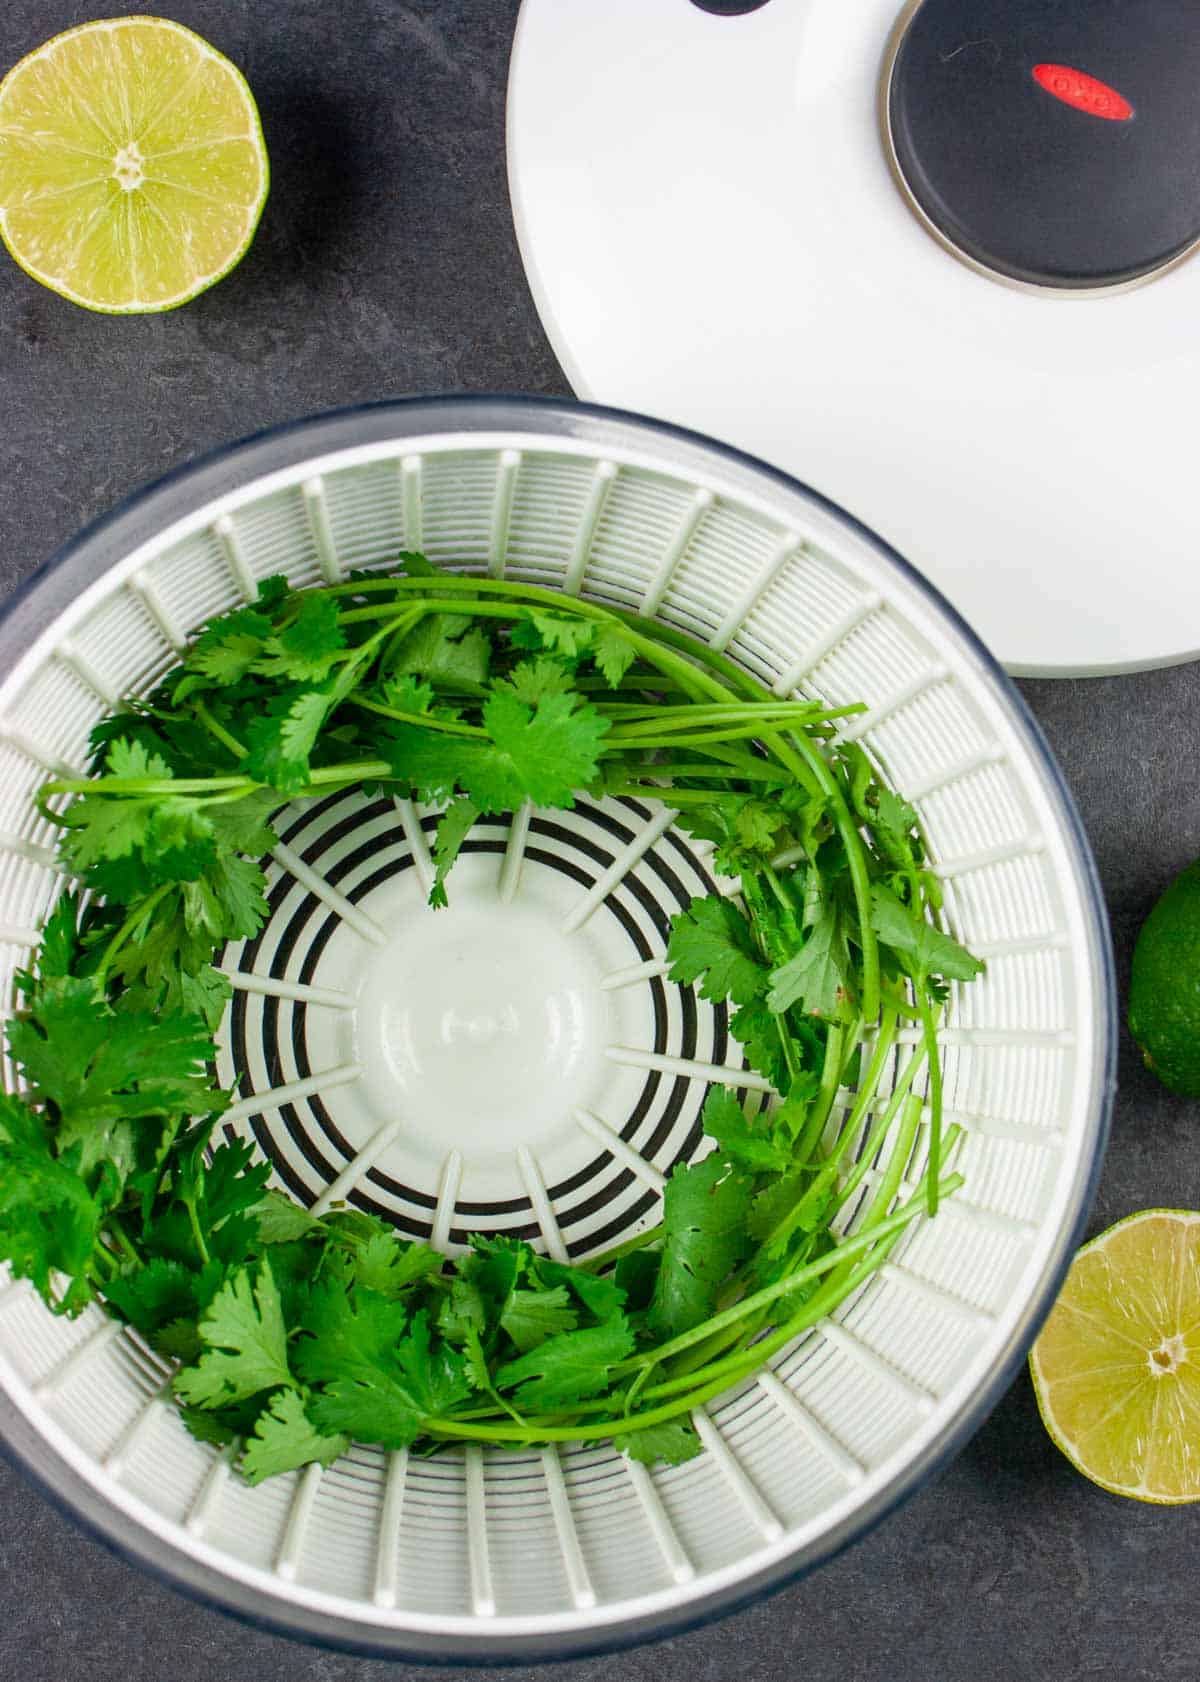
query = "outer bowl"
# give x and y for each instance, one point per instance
(541, 1555)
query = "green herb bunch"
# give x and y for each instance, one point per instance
(296, 1334)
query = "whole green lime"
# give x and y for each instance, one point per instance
(1164, 990)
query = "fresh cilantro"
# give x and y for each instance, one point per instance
(567, 1368)
(753, 1148)
(285, 1438)
(672, 1441)
(704, 1226)
(818, 979)
(921, 945)
(711, 942)
(297, 1333)
(245, 1340)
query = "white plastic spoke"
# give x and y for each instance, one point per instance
(447, 1197)
(12, 1291)
(953, 773)
(45, 857)
(697, 508)
(634, 974)
(14, 934)
(1022, 945)
(298, 991)
(934, 1295)
(1025, 846)
(617, 1147)
(715, 1073)
(28, 748)
(507, 468)
(292, 1092)
(815, 1434)
(826, 643)
(208, 1497)
(992, 1037)
(735, 1475)
(922, 1400)
(581, 547)
(411, 475)
(317, 510)
(118, 1455)
(856, 728)
(630, 854)
(514, 853)
(678, 1564)
(543, 1210)
(578, 1582)
(338, 1189)
(77, 662)
(329, 895)
(786, 550)
(410, 823)
(1011, 1226)
(387, 1555)
(287, 1560)
(146, 590)
(231, 544)
(483, 1595)
(999, 1127)
(58, 1377)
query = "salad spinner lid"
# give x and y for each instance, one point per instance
(717, 230)
(1053, 143)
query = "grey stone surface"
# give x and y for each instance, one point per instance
(386, 264)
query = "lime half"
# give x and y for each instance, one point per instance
(132, 165)
(1117, 1366)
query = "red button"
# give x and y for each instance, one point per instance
(1083, 92)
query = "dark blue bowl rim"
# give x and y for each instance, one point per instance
(144, 514)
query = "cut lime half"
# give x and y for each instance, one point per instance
(1117, 1365)
(132, 165)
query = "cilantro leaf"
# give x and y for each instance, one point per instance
(281, 739)
(567, 1368)
(704, 1227)
(757, 1032)
(245, 1341)
(613, 654)
(752, 1147)
(48, 1221)
(453, 828)
(285, 1438)
(563, 633)
(530, 1317)
(384, 1398)
(530, 680)
(228, 647)
(927, 951)
(711, 942)
(818, 977)
(444, 649)
(553, 749)
(306, 651)
(673, 1441)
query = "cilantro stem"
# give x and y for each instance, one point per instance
(217, 729)
(194, 1223)
(132, 922)
(929, 1039)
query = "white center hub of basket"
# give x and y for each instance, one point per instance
(485, 1021)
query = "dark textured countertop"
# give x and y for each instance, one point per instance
(386, 264)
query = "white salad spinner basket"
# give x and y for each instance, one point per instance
(520, 1063)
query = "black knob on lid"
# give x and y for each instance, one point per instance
(1053, 141)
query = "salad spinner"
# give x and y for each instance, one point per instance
(520, 1063)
